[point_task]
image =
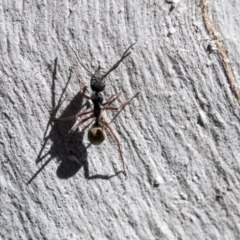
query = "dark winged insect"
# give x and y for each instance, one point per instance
(96, 133)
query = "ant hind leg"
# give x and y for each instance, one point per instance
(107, 125)
(81, 122)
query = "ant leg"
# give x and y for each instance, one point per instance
(111, 98)
(105, 123)
(73, 117)
(122, 105)
(80, 85)
(81, 122)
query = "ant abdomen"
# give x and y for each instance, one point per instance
(96, 134)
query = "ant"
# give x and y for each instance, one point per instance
(96, 133)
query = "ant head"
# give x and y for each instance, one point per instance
(98, 80)
(96, 134)
(97, 84)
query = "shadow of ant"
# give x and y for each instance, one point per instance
(66, 147)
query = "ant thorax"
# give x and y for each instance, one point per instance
(97, 98)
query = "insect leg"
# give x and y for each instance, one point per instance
(122, 105)
(105, 123)
(81, 122)
(73, 116)
(111, 98)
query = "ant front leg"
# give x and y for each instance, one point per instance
(111, 98)
(107, 125)
(122, 105)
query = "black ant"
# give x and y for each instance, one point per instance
(96, 133)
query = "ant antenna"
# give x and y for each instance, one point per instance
(80, 61)
(125, 54)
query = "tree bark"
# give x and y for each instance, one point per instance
(180, 137)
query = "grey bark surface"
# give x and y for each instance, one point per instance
(180, 137)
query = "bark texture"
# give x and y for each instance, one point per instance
(180, 137)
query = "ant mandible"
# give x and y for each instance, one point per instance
(96, 133)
